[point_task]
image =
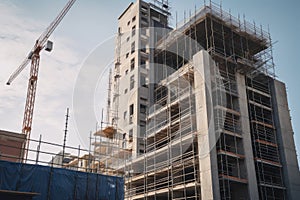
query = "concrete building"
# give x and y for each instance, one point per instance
(61, 159)
(83, 163)
(195, 112)
(11, 145)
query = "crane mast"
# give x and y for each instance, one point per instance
(31, 91)
(34, 57)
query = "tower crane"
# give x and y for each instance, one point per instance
(34, 57)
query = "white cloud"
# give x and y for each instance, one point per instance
(58, 71)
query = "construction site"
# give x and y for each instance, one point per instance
(193, 112)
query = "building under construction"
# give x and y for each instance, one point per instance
(196, 112)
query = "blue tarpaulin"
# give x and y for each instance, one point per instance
(57, 183)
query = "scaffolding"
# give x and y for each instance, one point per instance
(227, 117)
(39, 173)
(263, 133)
(109, 147)
(170, 161)
(168, 167)
(238, 46)
(246, 50)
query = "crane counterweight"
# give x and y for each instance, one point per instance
(49, 46)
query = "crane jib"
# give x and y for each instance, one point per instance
(41, 41)
(34, 57)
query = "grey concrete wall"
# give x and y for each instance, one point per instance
(205, 127)
(285, 136)
(249, 161)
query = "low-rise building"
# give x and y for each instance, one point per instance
(11, 145)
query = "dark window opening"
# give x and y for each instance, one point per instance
(132, 47)
(133, 31)
(143, 109)
(131, 82)
(131, 109)
(142, 123)
(132, 64)
(143, 80)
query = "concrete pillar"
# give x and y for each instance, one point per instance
(285, 137)
(247, 144)
(205, 127)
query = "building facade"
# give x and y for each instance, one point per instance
(195, 112)
(11, 146)
(61, 159)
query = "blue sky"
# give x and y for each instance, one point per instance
(88, 24)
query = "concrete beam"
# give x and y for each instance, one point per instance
(205, 127)
(285, 137)
(247, 144)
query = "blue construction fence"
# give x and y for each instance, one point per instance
(57, 183)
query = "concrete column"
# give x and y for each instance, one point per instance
(285, 138)
(249, 161)
(205, 127)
